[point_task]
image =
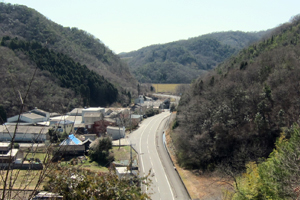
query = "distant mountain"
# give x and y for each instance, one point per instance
(74, 67)
(235, 113)
(26, 23)
(183, 61)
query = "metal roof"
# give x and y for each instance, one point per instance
(71, 140)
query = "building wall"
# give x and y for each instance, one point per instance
(68, 128)
(115, 133)
(26, 119)
(23, 137)
(95, 110)
(91, 120)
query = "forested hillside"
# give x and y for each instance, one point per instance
(235, 114)
(74, 67)
(184, 60)
(25, 23)
(16, 72)
(91, 88)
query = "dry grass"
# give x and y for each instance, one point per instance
(200, 186)
(26, 179)
(165, 88)
(123, 153)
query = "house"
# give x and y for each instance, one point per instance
(99, 127)
(87, 144)
(108, 111)
(139, 108)
(115, 132)
(32, 117)
(24, 133)
(139, 100)
(71, 146)
(62, 126)
(93, 110)
(91, 137)
(91, 117)
(9, 155)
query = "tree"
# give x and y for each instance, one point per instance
(3, 117)
(99, 150)
(172, 107)
(76, 183)
(278, 177)
(182, 88)
(138, 89)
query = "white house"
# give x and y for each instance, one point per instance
(92, 110)
(115, 132)
(91, 117)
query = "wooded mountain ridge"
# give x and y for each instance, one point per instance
(26, 23)
(73, 67)
(183, 61)
(235, 113)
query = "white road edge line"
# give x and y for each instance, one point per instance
(163, 167)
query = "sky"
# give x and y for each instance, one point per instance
(129, 25)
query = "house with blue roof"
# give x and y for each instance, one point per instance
(71, 140)
(70, 147)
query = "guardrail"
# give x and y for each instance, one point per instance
(167, 149)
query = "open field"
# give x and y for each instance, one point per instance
(123, 153)
(85, 164)
(165, 88)
(25, 179)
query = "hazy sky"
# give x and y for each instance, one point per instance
(129, 25)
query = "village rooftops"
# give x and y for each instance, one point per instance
(92, 114)
(12, 153)
(61, 118)
(136, 116)
(4, 146)
(32, 115)
(24, 129)
(93, 109)
(77, 119)
(65, 122)
(76, 112)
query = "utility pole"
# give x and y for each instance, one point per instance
(130, 158)
(130, 120)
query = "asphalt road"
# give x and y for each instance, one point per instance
(147, 140)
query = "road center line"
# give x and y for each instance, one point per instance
(162, 164)
(142, 163)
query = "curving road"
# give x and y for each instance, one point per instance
(147, 140)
